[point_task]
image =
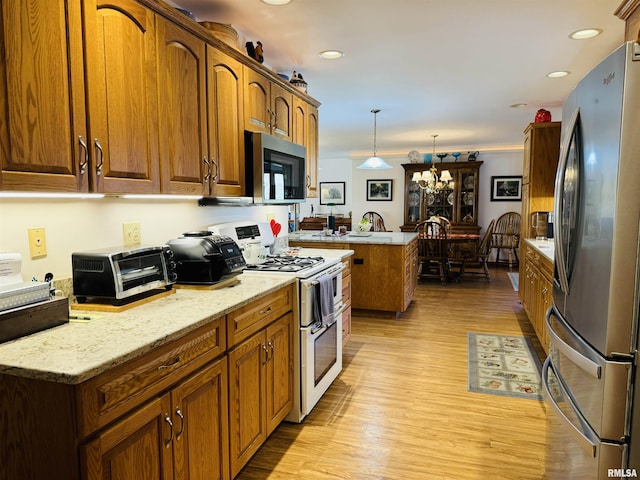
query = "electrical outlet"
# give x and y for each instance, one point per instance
(131, 233)
(37, 242)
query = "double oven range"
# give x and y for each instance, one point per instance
(318, 345)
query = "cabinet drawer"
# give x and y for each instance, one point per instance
(111, 394)
(346, 290)
(347, 267)
(245, 321)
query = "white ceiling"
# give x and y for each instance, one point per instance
(446, 67)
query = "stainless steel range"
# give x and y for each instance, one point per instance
(318, 346)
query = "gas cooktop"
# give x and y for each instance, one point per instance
(286, 263)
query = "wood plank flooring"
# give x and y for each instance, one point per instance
(400, 410)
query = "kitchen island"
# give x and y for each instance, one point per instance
(189, 384)
(384, 266)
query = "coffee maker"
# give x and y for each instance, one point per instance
(542, 225)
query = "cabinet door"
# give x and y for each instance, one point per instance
(120, 54)
(42, 113)
(279, 371)
(225, 120)
(282, 116)
(305, 132)
(257, 102)
(467, 211)
(312, 152)
(247, 395)
(199, 415)
(136, 447)
(182, 88)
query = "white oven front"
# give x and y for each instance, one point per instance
(307, 297)
(320, 360)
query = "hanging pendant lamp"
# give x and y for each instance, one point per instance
(375, 162)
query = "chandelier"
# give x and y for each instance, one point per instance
(428, 180)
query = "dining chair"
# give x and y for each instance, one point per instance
(477, 261)
(444, 221)
(506, 236)
(376, 221)
(433, 251)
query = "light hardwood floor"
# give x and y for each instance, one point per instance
(400, 410)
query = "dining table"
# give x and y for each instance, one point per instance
(459, 245)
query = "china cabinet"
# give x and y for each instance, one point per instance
(458, 202)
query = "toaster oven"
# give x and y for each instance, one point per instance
(122, 275)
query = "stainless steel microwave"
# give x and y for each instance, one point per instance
(275, 169)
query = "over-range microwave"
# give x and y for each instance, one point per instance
(275, 169)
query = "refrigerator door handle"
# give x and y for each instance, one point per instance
(560, 262)
(589, 366)
(589, 446)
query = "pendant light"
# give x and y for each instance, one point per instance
(375, 162)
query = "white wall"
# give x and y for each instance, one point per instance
(78, 225)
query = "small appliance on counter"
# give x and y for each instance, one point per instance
(121, 276)
(205, 259)
(254, 238)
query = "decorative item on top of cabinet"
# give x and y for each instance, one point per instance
(459, 204)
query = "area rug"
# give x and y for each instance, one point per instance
(503, 365)
(513, 276)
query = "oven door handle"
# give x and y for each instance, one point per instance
(330, 271)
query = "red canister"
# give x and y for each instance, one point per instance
(543, 116)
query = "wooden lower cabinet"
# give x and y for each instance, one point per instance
(197, 407)
(536, 290)
(180, 435)
(260, 388)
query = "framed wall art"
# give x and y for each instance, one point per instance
(506, 189)
(379, 190)
(332, 192)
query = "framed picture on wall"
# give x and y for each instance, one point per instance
(506, 189)
(379, 190)
(332, 192)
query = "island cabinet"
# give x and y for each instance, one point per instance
(458, 202)
(268, 106)
(202, 147)
(195, 407)
(383, 269)
(535, 289)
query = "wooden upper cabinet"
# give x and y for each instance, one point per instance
(121, 84)
(305, 132)
(225, 120)
(42, 122)
(268, 106)
(183, 108)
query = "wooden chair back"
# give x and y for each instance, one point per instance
(376, 221)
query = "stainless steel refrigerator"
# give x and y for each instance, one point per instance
(591, 375)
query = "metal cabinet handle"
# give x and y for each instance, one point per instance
(85, 161)
(269, 114)
(308, 181)
(175, 362)
(270, 343)
(266, 353)
(214, 179)
(208, 175)
(181, 416)
(100, 153)
(168, 420)
(275, 120)
(266, 310)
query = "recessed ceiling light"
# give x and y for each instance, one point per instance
(558, 74)
(276, 2)
(518, 105)
(331, 54)
(585, 33)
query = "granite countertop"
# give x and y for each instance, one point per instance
(79, 350)
(372, 238)
(544, 247)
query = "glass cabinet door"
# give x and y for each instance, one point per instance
(468, 191)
